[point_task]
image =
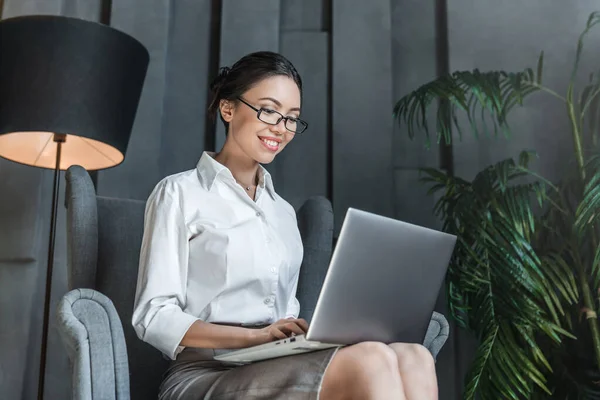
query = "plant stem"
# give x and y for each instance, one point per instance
(588, 301)
(549, 91)
(576, 140)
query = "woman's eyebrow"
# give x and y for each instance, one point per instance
(278, 103)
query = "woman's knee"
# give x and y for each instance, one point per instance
(374, 356)
(365, 358)
(375, 353)
(355, 369)
(409, 354)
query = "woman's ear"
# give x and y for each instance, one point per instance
(226, 110)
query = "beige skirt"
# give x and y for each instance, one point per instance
(195, 375)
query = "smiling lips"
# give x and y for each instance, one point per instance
(270, 143)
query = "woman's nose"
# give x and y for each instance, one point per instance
(279, 128)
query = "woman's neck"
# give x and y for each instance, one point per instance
(243, 168)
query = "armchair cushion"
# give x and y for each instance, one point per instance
(437, 334)
(93, 336)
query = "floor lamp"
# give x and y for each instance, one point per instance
(69, 92)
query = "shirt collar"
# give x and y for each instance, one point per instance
(210, 169)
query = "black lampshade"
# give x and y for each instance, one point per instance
(68, 76)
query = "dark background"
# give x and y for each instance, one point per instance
(356, 58)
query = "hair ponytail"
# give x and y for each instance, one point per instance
(215, 88)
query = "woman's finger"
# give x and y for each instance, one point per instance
(293, 327)
(302, 324)
(277, 333)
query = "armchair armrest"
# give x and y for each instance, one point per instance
(93, 336)
(437, 334)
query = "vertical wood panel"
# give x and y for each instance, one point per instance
(300, 171)
(187, 73)
(140, 172)
(414, 63)
(19, 219)
(413, 204)
(22, 270)
(84, 9)
(15, 8)
(302, 15)
(362, 103)
(18, 361)
(246, 27)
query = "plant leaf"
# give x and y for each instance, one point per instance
(473, 93)
(540, 68)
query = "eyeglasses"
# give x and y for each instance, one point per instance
(272, 117)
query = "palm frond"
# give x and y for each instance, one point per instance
(588, 212)
(589, 93)
(500, 287)
(483, 358)
(589, 104)
(593, 20)
(475, 93)
(587, 219)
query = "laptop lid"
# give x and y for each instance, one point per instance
(382, 283)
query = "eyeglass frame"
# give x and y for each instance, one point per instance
(282, 117)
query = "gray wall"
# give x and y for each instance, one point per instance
(356, 58)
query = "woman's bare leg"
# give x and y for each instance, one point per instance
(363, 371)
(416, 368)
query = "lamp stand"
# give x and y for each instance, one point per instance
(59, 139)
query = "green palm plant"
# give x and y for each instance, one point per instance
(527, 261)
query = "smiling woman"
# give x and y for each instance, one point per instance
(220, 262)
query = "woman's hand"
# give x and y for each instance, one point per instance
(282, 329)
(213, 336)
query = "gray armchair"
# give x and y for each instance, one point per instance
(104, 236)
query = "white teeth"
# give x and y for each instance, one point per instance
(271, 143)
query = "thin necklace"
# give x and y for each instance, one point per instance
(248, 188)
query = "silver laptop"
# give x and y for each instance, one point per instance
(382, 285)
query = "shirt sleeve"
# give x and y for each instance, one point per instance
(158, 316)
(293, 306)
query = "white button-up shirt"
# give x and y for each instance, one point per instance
(210, 253)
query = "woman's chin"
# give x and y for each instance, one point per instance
(265, 159)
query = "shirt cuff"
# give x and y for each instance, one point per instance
(167, 329)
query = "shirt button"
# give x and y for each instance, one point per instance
(258, 214)
(268, 300)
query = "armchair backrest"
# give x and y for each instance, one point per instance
(104, 236)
